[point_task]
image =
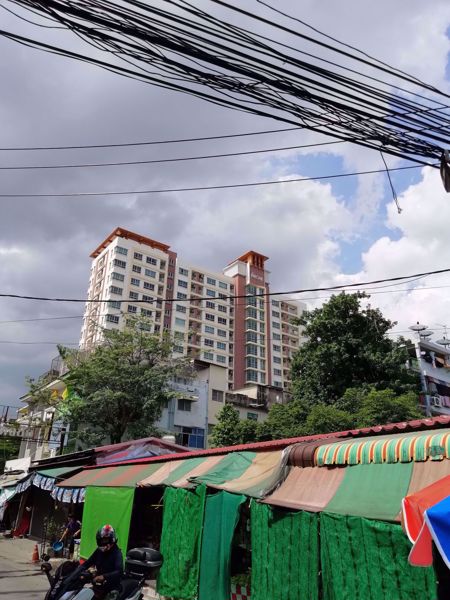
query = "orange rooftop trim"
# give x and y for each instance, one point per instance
(129, 235)
(250, 257)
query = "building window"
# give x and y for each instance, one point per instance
(223, 296)
(162, 264)
(116, 290)
(276, 348)
(132, 309)
(252, 312)
(119, 263)
(277, 384)
(137, 269)
(137, 256)
(223, 285)
(209, 342)
(252, 362)
(210, 304)
(275, 303)
(145, 312)
(150, 273)
(210, 317)
(208, 355)
(209, 329)
(252, 325)
(182, 271)
(181, 296)
(221, 359)
(178, 335)
(145, 298)
(217, 395)
(134, 296)
(210, 281)
(252, 337)
(148, 286)
(277, 372)
(151, 261)
(277, 360)
(221, 320)
(252, 416)
(115, 304)
(276, 336)
(184, 405)
(221, 346)
(182, 283)
(120, 250)
(275, 314)
(252, 375)
(275, 325)
(221, 333)
(135, 281)
(222, 308)
(112, 318)
(251, 349)
(180, 308)
(211, 293)
(180, 322)
(178, 349)
(118, 276)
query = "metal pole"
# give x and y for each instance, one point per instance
(62, 440)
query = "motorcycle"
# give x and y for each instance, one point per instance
(140, 564)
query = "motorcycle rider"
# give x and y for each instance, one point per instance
(108, 563)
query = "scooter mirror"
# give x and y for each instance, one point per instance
(46, 557)
(46, 567)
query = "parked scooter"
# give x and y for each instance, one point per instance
(140, 564)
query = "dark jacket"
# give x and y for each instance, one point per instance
(109, 564)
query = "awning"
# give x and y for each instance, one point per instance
(177, 473)
(11, 480)
(57, 472)
(387, 449)
(307, 488)
(114, 476)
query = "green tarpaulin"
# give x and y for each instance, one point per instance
(103, 506)
(285, 554)
(180, 542)
(221, 517)
(372, 491)
(232, 466)
(368, 560)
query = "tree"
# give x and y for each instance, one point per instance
(120, 388)
(384, 406)
(325, 418)
(347, 347)
(227, 431)
(9, 449)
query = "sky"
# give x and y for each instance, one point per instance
(315, 233)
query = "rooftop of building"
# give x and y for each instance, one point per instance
(128, 235)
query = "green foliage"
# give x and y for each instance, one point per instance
(120, 388)
(227, 431)
(383, 406)
(9, 449)
(347, 347)
(39, 394)
(324, 418)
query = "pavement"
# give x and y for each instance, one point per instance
(21, 579)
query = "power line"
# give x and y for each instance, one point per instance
(38, 343)
(151, 143)
(234, 297)
(212, 187)
(167, 160)
(40, 319)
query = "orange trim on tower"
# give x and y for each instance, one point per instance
(128, 235)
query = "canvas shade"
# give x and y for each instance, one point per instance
(373, 491)
(363, 559)
(387, 449)
(285, 554)
(103, 506)
(58, 471)
(307, 488)
(115, 476)
(173, 471)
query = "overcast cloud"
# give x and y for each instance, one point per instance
(314, 233)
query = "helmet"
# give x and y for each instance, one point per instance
(106, 535)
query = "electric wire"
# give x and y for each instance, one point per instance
(207, 187)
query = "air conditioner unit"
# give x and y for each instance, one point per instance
(436, 401)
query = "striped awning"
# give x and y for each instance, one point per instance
(374, 491)
(415, 447)
(114, 476)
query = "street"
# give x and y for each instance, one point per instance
(20, 579)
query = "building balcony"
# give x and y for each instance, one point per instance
(244, 401)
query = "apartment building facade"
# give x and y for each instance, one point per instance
(222, 318)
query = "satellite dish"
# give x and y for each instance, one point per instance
(418, 327)
(426, 333)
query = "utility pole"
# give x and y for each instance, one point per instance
(421, 331)
(62, 440)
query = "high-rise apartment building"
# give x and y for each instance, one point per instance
(222, 318)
